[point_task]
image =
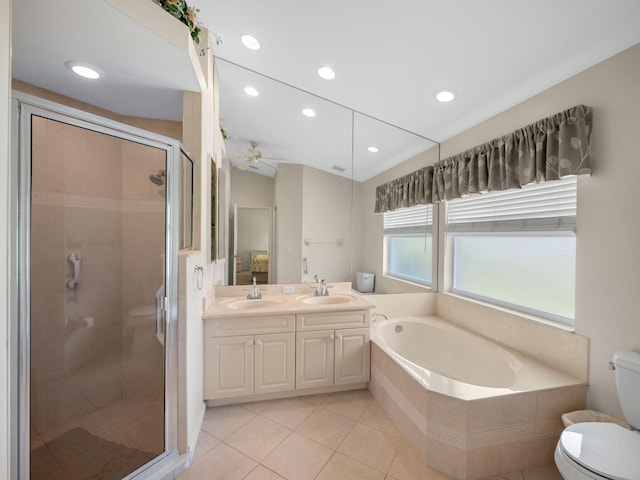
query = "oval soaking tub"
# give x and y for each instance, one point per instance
(447, 359)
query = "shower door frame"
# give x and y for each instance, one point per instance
(24, 106)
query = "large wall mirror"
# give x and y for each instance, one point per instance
(299, 176)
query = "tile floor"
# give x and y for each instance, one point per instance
(338, 436)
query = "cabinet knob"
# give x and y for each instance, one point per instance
(331, 337)
(249, 343)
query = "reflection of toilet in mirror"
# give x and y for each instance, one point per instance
(140, 323)
(140, 327)
(602, 450)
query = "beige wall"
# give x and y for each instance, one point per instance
(608, 260)
(288, 202)
(5, 384)
(312, 205)
(250, 189)
(326, 217)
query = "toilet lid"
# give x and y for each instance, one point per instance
(604, 448)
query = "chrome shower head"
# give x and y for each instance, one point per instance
(158, 178)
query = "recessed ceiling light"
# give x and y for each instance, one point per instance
(251, 91)
(445, 96)
(373, 149)
(327, 73)
(250, 41)
(308, 112)
(84, 70)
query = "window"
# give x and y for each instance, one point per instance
(409, 243)
(516, 248)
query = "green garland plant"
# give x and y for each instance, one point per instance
(186, 14)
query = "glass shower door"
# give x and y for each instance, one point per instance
(97, 295)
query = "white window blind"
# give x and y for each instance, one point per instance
(549, 206)
(418, 219)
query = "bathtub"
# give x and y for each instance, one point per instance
(452, 361)
(470, 407)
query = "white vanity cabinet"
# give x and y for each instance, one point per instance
(275, 355)
(238, 365)
(329, 351)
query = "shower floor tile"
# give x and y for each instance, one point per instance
(132, 422)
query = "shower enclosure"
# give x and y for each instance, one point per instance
(98, 224)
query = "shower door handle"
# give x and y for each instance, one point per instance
(161, 308)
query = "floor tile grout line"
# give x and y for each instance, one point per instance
(386, 473)
(395, 455)
(325, 464)
(347, 434)
(270, 451)
(265, 467)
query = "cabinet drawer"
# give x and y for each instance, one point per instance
(225, 327)
(321, 321)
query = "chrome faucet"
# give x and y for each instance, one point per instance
(254, 294)
(323, 289)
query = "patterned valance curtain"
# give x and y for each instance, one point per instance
(548, 149)
(408, 191)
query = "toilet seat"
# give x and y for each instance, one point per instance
(606, 449)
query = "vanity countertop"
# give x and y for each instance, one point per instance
(236, 304)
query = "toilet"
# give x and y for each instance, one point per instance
(606, 451)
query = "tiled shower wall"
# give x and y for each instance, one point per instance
(143, 246)
(89, 196)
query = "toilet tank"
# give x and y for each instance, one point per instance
(364, 282)
(627, 372)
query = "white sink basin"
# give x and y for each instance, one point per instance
(245, 304)
(330, 300)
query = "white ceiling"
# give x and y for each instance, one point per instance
(389, 57)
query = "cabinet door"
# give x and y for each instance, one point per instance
(352, 356)
(314, 359)
(275, 362)
(228, 366)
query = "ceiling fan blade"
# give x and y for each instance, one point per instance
(250, 153)
(245, 165)
(275, 167)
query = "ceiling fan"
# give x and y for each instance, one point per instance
(252, 156)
